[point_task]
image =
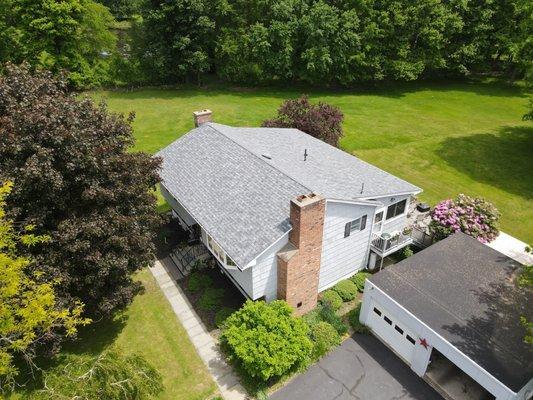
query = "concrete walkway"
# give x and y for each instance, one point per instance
(512, 247)
(166, 275)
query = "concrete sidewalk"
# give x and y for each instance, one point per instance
(512, 247)
(205, 345)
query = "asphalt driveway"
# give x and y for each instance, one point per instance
(361, 368)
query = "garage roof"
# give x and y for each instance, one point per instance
(467, 293)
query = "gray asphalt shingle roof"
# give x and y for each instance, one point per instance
(219, 174)
(467, 293)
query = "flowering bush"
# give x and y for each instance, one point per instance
(474, 216)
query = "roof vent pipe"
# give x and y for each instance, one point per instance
(362, 187)
(305, 155)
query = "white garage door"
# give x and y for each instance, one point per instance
(391, 331)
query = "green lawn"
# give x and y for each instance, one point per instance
(447, 138)
(149, 327)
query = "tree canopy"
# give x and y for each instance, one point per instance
(55, 35)
(29, 308)
(321, 120)
(77, 180)
(320, 41)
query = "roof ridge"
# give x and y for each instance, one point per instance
(258, 156)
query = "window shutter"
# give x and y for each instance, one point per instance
(347, 229)
(363, 222)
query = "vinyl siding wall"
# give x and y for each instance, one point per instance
(398, 223)
(342, 257)
(265, 272)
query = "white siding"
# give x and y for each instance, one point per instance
(178, 208)
(397, 223)
(342, 257)
(265, 272)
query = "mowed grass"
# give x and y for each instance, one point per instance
(150, 328)
(447, 138)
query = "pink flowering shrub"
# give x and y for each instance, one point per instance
(474, 216)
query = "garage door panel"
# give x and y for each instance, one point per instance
(393, 332)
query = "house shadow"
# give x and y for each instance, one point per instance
(495, 335)
(503, 159)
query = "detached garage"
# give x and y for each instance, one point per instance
(452, 313)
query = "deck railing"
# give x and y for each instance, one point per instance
(389, 244)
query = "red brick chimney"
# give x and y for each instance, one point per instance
(299, 260)
(201, 117)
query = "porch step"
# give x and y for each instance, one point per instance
(186, 257)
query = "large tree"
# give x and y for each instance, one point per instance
(321, 120)
(76, 179)
(66, 34)
(29, 309)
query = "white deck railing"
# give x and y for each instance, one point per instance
(387, 245)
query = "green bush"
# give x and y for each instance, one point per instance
(211, 298)
(328, 315)
(266, 340)
(198, 282)
(222, 315)
(324, 337)
(353, 318)
(406, 252)
(332, 298)
(359, 280)
(346, 290)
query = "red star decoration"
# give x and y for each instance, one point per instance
(424, 343)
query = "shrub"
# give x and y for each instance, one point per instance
(198, 282)
(266, 340)
(211, 298)
(222, 315)
(406, 252)
(346, 289)
(332, 298)
(321, 120)
(324, 337)
(359, 280)
(328, 315)
(474, 216)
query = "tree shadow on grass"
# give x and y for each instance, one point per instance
(282, 90)
(96, 337)
(503, 159)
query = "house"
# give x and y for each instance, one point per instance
(284, 214)
(452, 313)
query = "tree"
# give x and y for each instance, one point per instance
(474, 216)
(266, 339)
(55, 35)
(321, 121)
(111, 375)
(77, 180)
(176, 39)
(29, 308)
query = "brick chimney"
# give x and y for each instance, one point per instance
(201, 117)
(299, 260)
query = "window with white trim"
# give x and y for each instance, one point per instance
(358, 224)
(396, 209)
